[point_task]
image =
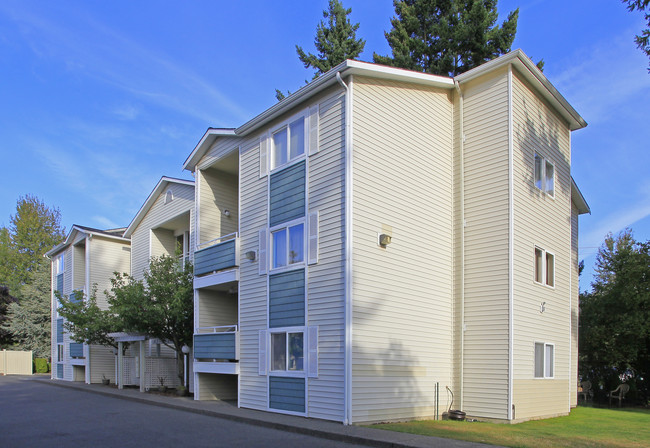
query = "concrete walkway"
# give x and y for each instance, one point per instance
(301, 425)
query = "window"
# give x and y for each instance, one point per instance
(544, 360)
(60, 264)
(287, 351)
(169, 196)
(59, 353)
(544, 267)
(288, 143)
(544, 175)
(287, 245)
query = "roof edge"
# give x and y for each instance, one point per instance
(148, 203)
(204, 145)
(578, 199)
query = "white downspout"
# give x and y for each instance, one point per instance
(347, 419)
(462, 241)
(511, 228)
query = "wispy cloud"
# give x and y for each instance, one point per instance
(88, 47)
(603, 78)
(126, 112)
(104, 222)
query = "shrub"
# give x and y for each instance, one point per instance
(41, 365)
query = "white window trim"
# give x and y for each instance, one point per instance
(544, 377)
(287, 373)
(544, 268)
(285, 124)
(543, 188)
(60, 264)
(285, 225)
(60, 347)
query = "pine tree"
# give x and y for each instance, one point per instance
(5, 300)
(335, 42)
(28, 321)
(642, 40)
(447, 37)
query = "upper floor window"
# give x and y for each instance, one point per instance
(544, 267)
(287, 245)
(288, 143)
(544, 360)
(60, 264)
(544, 175)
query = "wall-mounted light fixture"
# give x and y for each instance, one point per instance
(250, 255)
(384, 239)
(542, 307)
(227, 213)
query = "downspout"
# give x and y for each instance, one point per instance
(347, 419)
(511, 227)
(462, 240)
(87, 289)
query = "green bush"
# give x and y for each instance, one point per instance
(41, 365)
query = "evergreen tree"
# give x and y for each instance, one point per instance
(5, 300)
(335, 42)
(447, 37)
(642, 40)
(28, 321)
(33, 230)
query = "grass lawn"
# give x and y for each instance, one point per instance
(585, 427)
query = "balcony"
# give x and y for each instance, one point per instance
(216, 349)
(217, 255)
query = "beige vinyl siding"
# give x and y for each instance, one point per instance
(217, 193)
(252, 286)
(67, 276)
(143, 244)
(217, 308)
(79, 268)
(402, 294)
(217, 387)
(325, 280)
(106, 257)
(485, 354)
(102, 362)
(575, 307)
(542, 221)
(163, 242)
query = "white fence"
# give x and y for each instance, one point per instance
(15, 362)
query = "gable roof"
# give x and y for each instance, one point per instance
(162, 184)
(578, 199)
(349, 67)
(116, 234)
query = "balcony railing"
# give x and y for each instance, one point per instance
(76, 350)
(217, 255)
(217, 343)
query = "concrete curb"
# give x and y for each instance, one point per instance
(300, 425)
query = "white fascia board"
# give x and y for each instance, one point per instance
(345, 68)
(204, 145)
(529, 70)
(578, 199)
(86, 231)
(158, 189)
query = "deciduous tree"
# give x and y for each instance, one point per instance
(615, 316)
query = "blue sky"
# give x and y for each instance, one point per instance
(99, 99)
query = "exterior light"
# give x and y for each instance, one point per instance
(384, 239)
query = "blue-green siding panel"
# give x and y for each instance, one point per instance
(215, 258)
(287, 194)
(59, 331)
(215, 346)
(287, 394)
(287, 299)
(76, 350)
(59, 371)
(59, 283)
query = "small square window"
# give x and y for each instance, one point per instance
(544, 175)
(288, 143)
(288, 246)
(287, 351)
(544, 360)
(544, 267)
